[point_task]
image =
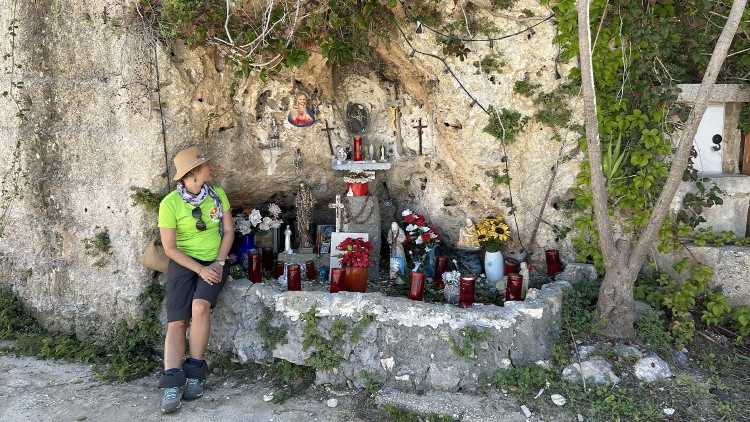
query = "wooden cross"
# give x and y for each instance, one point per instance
(328, 130)
(419, 128)
(339, 208)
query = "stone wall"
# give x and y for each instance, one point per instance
(408, 344)
(94, 129)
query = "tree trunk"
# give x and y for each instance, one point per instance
(615, 309)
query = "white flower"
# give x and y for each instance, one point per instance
(411, 228)
(265, 224)
(425, 229)
(243, 225)
(419, 240)
(275, 224)
(274, 209)
(255, 217)
(405, 212)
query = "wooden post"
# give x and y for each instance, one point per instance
(746, 155)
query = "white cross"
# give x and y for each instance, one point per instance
(339, 207)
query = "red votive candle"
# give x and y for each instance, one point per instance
(278, 271)
(268, 258)
(441, 266)
(293, 280)
(416, 286)
(254, 270)
(310, 270)
(357, 148)
(554, 265)
(337, 279)
(466, 291)
(513, 290)
(511, 266)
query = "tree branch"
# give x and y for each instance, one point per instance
(680, 160)
(599, 191)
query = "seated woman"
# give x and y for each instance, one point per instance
(197, 231)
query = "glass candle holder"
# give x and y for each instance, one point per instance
(416, 286)
(441, 266)
(554, 266)
(337, 279)
(294, 281)
(513, 290)
(512, 266)
(466, 288)
(278, 270)
(310, 272)
(254, 268)
(357, 148)
(268, 258)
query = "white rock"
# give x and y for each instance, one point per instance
(526, 411)
(580, 417)
(651, 368)
(668, 411)
(332, 403)
(558, 399)
(267, 397)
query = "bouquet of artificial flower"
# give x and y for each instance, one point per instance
(491, 233)
(253, 221)
(355, 252)
(418, 231)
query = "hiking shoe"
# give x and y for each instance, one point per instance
(193, 388)
(171, 401)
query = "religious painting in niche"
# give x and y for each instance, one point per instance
(323, 237)
(357, 118)
(301, 114)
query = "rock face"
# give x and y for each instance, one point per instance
(96, 125)
(407, 345)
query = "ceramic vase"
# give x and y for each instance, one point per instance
(355, 279)
(494, 268)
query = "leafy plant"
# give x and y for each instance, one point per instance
(505, 125)
(470, 337)
(272, 335)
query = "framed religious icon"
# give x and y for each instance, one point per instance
(323, 237)
(357, 118)
(301, 114)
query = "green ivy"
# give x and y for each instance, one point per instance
(512, 121)
(271, 335)
(470, 337)
(327, 348)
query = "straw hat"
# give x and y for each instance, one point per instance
(188, 159)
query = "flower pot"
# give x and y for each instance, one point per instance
(494, 267)
(246, 246)
(359, 189)
(429, 266)
(355, 279)
(440, 268)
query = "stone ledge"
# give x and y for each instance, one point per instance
(407, 346)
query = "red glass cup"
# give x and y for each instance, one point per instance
(337, 279)
(416, 286)
(278, 270)
(268, 258)
(513, 290)
(310, 272)
(466, 291)
(357, 148)
(293, 279)
(511, 266)
(441, 266)
(554, 266)
(254, 270)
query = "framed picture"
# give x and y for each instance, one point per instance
(323, 237)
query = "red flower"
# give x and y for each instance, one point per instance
(409, 218)
(420, 221)
(425, 237)
(356, 252)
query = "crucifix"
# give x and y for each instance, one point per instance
(328, 130)
(419, 128)
(339, 208)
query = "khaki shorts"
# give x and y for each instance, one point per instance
(183, 286)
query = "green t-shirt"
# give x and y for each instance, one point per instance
(175, 213)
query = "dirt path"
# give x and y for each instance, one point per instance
(42, 390)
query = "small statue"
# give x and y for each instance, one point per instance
(273, 133)
(396, 238)
(340, 155)
(304, 204)
(288, 240)
(467, 236)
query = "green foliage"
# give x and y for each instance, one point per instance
(578, 308)
(501, 179)
(125, 356)
(525, 87)
(470, 337)
(649, 329)
(360, 326)
(290, 380)
(716, 310)
(328, 350)
(681, 300)
(492, 62)
(502, 4)
(512, 121)
(397, 414)
(271, 335)
(98, 246)
(146, 198)
(742, 322)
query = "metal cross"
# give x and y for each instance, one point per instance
(328, 130)
(419, 128)
(339, 208)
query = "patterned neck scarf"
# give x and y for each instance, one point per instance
(196, 200)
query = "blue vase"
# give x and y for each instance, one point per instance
(430, 264)
(246, 246)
